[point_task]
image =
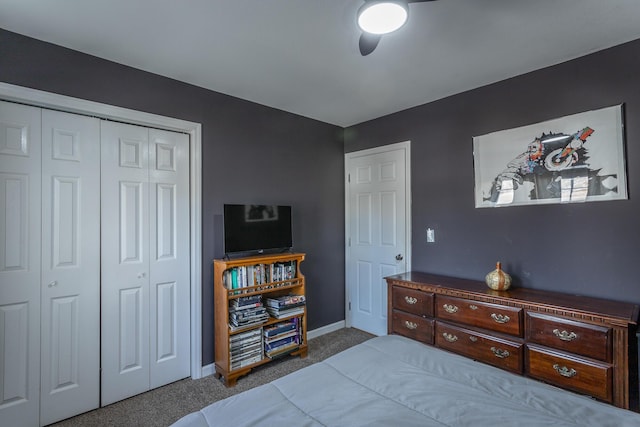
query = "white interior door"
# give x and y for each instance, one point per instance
(125, 261)
(169, 256)
(145, 259)
(20, 175)
(377, 224)
(70, 344)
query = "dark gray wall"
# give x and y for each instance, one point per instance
(250, 154)
(590, 248)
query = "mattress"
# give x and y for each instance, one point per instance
(395, 381)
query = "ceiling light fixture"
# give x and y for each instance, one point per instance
(382, 17)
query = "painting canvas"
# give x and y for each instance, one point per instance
(576, 158)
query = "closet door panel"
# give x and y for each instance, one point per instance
(70, 343)
(20, 210)
(169, 263)
(125, 261)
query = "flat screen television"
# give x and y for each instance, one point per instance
(256, 229)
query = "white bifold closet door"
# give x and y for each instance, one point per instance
(145, 259)
(20, 180)
(49, 265)
(70, 379)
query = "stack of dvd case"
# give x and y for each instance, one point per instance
(282, 338)
(246, 311)
(246, 348)
(285, 306)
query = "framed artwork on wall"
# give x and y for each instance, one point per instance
(576, 158)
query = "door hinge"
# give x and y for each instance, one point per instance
(349, 177)
(349, 305)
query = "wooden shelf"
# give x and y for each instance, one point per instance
(261, 289)
(223, 295)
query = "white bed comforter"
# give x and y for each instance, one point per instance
(395, 381)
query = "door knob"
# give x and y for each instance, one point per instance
(52, 284)
(399, 257)
(141, 275)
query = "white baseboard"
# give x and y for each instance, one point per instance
(326, 329)
(210, 369)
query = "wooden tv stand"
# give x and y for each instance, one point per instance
(230, 351)
(583, 344)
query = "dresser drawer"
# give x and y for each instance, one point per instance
(502, 353)
(582, 375)
(412, 326)
(568, 335)
(495, 317)
(412, 301)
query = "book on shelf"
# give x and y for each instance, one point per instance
(282, 350)
(293, 333)
(240, 338)
(279, 328)
(280, 342)
(239, 352)
(244, 342)
(245, 335)
(291, 300)
(246, 348)
(281, 314)
(247, 313)
(236, 341)
(242, 318)
(270, 344)
(247, 355)
(259, 274)
(283, 270)
(285, 306)
(246, 362)
(246, 302)
(256, 320)
(282, 338)
(248, 325)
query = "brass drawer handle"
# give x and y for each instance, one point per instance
(449, 337)
(564, 335)
(410, 300)
(502, 354)
(410, 325)
(564, 371)
(472, 338)
(500, 318)
(450, 308)
(473, 307)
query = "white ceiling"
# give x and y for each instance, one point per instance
(302, 56)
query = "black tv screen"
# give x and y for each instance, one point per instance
(257, 228)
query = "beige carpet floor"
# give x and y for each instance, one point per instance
(163, 406)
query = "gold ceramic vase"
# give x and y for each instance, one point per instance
(498, 280)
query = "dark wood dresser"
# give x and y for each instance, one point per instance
(583, 344)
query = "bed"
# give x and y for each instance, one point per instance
(395, 381)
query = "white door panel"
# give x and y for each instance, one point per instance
(377, 199)
(70, 343)
(169, 264)
(125, 261)
(145, 255)
(20, 210)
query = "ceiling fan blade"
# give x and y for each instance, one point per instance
(368, 43)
